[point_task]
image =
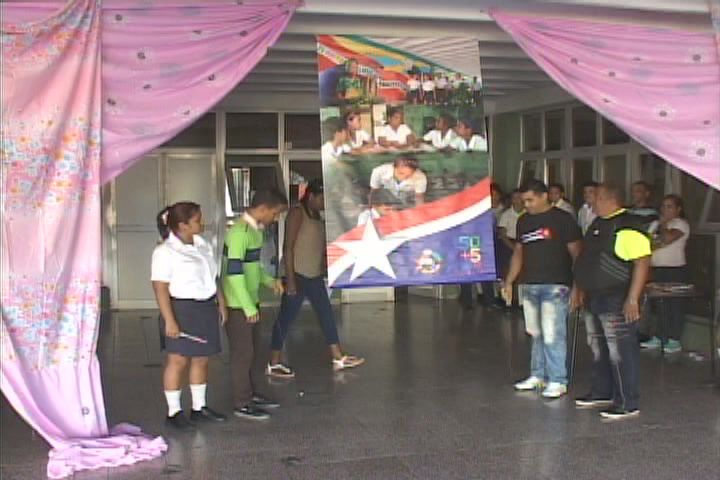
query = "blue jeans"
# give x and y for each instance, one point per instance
(615, 350)
(546, 309)
(314, 290)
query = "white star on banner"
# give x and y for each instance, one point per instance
(371, 252)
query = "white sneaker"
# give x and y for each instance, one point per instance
(554, 390)
(530, 383)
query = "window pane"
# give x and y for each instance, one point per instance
(652, 171)
(532, 140)
(612, 134)
(200, 134)
(554, 171)
(583, 171)
(714, 211)
(302, 131)
(614, 168)
(252, 130)
(583, 127)
(555, 130)
(529, 169)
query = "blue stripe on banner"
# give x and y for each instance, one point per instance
(252, 255)
(462, 254)
(235, 267)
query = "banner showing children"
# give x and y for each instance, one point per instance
(405, 167)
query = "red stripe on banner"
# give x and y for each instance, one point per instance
(415, 216)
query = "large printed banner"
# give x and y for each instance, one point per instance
(405, 165)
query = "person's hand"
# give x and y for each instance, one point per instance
(278, 288)
(291, 286)
(631, 309)
(171, 329)
(255, 318)
(577, 299)
(223, 314)
(507, 293)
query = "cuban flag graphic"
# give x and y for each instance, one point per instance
(449, 240)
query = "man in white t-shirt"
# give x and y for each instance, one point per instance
(586, 215)
(467, 139)
(335, 131)
(402, 178)
(357, 137)
(413, 85)
(396, 133)
(428, 88)
(443, 135)
(556, 194)
(507, 223)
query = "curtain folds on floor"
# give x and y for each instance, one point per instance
(86, 90)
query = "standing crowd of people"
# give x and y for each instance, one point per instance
(597, 259)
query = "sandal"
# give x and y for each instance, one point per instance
(347, 361)
(279, 370)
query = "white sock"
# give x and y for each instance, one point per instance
(198, 396)
(173, 401)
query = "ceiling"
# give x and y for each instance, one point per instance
(290, 66)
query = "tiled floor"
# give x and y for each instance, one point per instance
(434, 401)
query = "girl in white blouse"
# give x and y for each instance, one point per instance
(184, 278)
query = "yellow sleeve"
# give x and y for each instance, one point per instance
(631, 244)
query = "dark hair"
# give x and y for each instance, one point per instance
(643, 184)
(613, 192)
(270, 198)
(591, 183)
(558, 186)
(515, 190)
(678, 201)
(449, 119)
(314, 187)
(331, 126)
(393, 111)
(535, 186)
(406, 161)
(346, 117)
(382, 196)
(170, 218)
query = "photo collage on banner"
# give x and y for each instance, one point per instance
(405, 165)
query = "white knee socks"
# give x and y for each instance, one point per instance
(198, 396)
(173, 401)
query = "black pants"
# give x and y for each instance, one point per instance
(675, 321)
(466, 294)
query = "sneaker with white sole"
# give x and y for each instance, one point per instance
(653, 344)
(530, 383)
(589, 401)
(554, 390)
(672, 346)
(279, 370)
(617, 413)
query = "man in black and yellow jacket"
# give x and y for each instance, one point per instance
(610, 275)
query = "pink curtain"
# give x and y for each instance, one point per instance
(167, 63)
(66, 128)
(51, 124)
(660, 85)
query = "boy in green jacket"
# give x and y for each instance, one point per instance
(242, 275)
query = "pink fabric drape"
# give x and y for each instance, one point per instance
(51, 124)
(64, 132)
(660, 85)
(165, 64)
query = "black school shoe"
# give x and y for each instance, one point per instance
(207, 414)
(617, 413)
(263, 401)
(589, 401)
(180, 422)
(251, 412)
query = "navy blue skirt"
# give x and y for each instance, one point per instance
(199, 318)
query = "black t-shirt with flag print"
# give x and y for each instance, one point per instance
(545, 237)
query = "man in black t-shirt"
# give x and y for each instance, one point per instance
(548, 241)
